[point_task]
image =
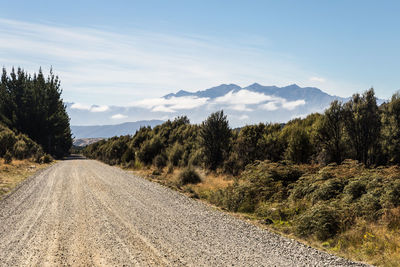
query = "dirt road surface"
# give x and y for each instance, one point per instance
(85, 213)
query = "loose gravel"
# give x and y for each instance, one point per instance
(85, 213)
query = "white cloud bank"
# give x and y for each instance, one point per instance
(171, 104)
(237, 101)
(91, 108)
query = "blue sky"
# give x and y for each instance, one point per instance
(119, 52)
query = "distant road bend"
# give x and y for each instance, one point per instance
(84, 213)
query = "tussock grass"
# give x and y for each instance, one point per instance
(15, 172)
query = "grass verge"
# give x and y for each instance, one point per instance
(14, 173)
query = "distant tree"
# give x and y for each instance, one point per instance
(299, 146)
(330, 131)
(215, 139)
(391, 129)
(362, 124)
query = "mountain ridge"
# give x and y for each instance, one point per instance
(243, 105)
(110, 130)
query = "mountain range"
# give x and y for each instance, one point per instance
(243, 105)
(106, 131)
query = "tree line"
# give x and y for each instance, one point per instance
(358, 129)
(32, 105)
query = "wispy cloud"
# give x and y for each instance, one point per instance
(171, 104)
(91, 108)
(282, 103)
(104, 67)
(242, 97)
(317, 79)
(242, 100)
(99, 108)
(118, 116)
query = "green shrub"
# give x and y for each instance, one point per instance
(188, 176)
(320, 221)
(160, 161)
(7, 140)
(7, 157)
(196, 158)
(46, 159)
(330, 189)
(355, 189)
(392, 194)
(149, 150)
(175, 154)
(128, 156)
(170, 169)
(369, 207)
(21, 150)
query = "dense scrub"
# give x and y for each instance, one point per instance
(33, 106)
(20, 146)
(347, 206)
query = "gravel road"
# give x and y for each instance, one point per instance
(85, 213)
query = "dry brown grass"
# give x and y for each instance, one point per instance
(376, 242)
(210, 181)
(12, 174)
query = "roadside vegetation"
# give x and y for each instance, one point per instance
(34, 126)
(330, 179)
(32, 105)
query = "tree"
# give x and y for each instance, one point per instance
(33, 106)
(215, 139)
(362, 124)
(391, 129)
(330, 132)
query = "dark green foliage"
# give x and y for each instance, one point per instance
(330, 131)
(355, 189)
(149, 150)
(7, 140)
(329, 190)
(260, 182)
(33, 106)
(175, 154)
(160, 161)
(46, 159)
(362, 125)
(391, 129)
(321, 221)
(7, 157)
(19, 146)
(128, 156)
(299, 146)
(392, 194)
(188, 176)
(215, 139)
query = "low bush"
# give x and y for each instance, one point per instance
(7, 157)
(20, 149)
(175, 154)
(46, 158)
(188, 176)
(160, 161)
(321, 221)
